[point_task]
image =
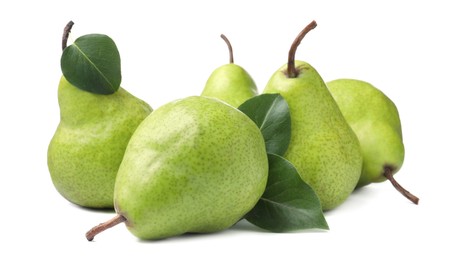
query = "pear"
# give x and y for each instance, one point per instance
(88, 146)
(194, 165)
(375, 119)
(230, 82)
(323, 147)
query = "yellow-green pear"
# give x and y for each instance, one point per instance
(375, 119)
(194, 165)
(230, 82)
(323, 147)
(97, 120)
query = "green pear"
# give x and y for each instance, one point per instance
(375, 119)
(88, 146)
(230, 82)
(194, 165)
(323, 147)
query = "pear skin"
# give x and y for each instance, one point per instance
(88, 146)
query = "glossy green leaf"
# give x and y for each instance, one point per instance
(92, 63)
(270, 112)
(288, 203)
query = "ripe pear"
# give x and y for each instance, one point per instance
(88, 146)
(375, 119)
(230, 82)
(323, 147)
(194, 165)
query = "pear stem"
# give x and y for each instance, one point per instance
(66, 33)
(90, 235)
(292, 71)
(388, 173)
(231, 54)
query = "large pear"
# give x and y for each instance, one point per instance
(194, 165)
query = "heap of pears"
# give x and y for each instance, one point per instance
(199, 164)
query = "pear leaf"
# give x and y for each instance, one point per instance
(270, 112)
(92, 63)
(288, 203)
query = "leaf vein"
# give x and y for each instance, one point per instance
(94, 65)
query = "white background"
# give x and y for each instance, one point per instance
(168, 50)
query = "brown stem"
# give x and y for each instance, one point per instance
(231, 54)
(388, 173)
(292, 71)
(66, 33)
(90, 235)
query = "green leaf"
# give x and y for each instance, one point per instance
(288, 203)
(270, 112)
(92, 63)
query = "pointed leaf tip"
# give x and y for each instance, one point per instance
(288, 203)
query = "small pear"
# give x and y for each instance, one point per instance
(194, 165)
(323, 147)
(230, 82)
(88, 146)
(375, 119)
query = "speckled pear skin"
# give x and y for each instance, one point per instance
(194, 165)
(376, 121)
(323, 147)
(88, 146)
(231, 84)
